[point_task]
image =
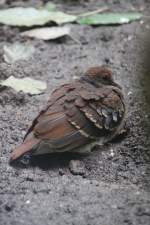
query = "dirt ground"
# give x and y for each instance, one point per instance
(114, 188)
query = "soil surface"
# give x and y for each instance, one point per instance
(114, 186)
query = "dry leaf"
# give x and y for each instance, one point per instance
(47, 33)
(27, 85)
(17, 51)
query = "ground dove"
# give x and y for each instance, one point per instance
(78, 115)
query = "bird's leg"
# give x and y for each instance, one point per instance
(123, 131)
(87, 149)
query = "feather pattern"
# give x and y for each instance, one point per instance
(76, 114)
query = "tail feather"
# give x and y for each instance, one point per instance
(23, 148)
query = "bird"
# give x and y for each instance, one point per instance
(87, 111)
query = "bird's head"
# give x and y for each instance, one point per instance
(100, 74)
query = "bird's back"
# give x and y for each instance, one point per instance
(77, 114)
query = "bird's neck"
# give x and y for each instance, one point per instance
(100, 84)
(90, 81)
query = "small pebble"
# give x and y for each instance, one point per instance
(61, 172)
(107, 60)
(30, 178)
(8, 207)
(106, 37)
(112, 152)
(129, 93)
(59, 76)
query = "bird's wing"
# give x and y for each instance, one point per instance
(53, 109)
(78, 114)
(97, 111)
(53, 125)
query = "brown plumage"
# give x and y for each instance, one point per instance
(85, 111)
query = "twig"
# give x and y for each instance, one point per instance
(75, 40)
(93, 12)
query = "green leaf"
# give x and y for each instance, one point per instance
(109, 18)
(19, 16)
(17, 51)
(47, 33)
(27, 85)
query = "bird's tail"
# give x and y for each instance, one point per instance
(23, 148)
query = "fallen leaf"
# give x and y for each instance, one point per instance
(47, 33)
(109, 18)
(19, 16)
(17, 51)
(61, 17)
(27, 85)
